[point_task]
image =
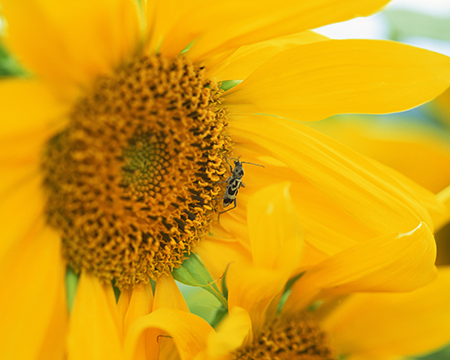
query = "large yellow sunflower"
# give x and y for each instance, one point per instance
(113, 150)
(332, 323)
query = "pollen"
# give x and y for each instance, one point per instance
(131, 182)
(296, 338)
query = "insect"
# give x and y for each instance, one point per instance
(234, 182)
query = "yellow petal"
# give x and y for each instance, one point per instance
(253, 288)
(382, 325)
(54, 345)
(23, 205)
(31, 116)
(276, 234)
(141, 302)
(370, 195)
(230, 334)
(189, 332)
(395, 262)
(421, 152)
(314, 81)
(94, 331)
(248, 58)
(254, 21)
(217, 254)
(69, 44)
(27, 106)
(444, 219)
(168, 295)
(32, 279)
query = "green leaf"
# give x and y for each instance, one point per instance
(407, 23)
(193, 273)
(71, 286)
(200, 302)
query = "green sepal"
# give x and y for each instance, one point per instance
(218, 317)
(228, 84)
(71, 286)
(224, 283)
(116, 290)
(193, 273)
(287, 291)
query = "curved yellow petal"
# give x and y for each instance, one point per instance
(32, 279)
(314, 81)
(242, 62)
(370, 195)
(394, 262)
(383, 325)
(94, 331)
(254, 21)
(253, 288)
(276, 234)
(70, 43)
(168, 295)
(189, 332)
(230, 335)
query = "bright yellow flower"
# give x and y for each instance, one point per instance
(263, 325)
(113, 152)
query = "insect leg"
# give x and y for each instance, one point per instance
(235, 204)
(231, 168)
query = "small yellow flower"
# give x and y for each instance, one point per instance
(113, 152)
(263, 325)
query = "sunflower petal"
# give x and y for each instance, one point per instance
(230, 334)
(189, 332)
(168, 295)
(441, 221)
(254, 21)
(370, 195)
(276, 235)
(422, 153)
(70, 43)
(242, 62)
(394, 262)
(94, 332)
(33, 267)
(217, 254)
(314, 81)
(26, 199)
(253, 288)
(400, 324)
(141, 302)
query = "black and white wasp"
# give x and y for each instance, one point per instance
(234, 182)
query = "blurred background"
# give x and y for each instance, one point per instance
(415, 143)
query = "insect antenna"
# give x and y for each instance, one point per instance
(244, 162)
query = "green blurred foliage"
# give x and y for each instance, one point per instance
(404, 23)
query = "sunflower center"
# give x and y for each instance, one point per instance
(131, 181)
(297, 338)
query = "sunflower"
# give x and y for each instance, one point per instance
(114, 152)
(272, 319)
